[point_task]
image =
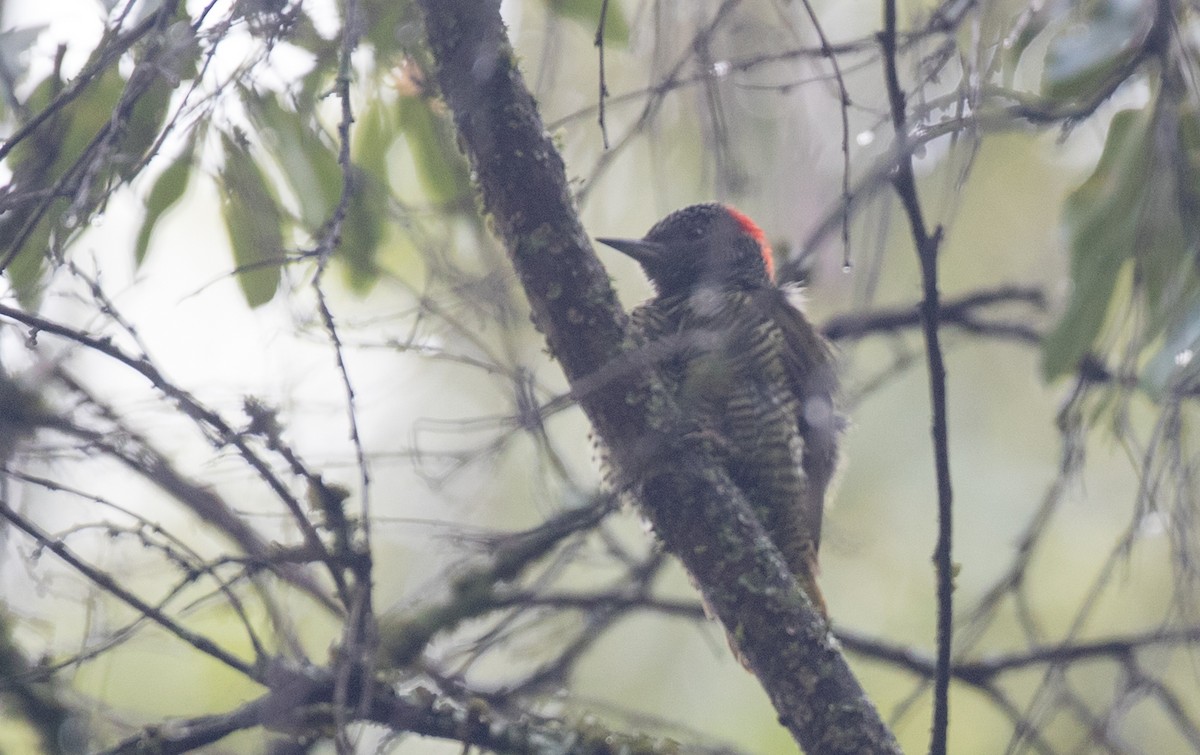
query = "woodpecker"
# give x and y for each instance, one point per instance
(744, 362)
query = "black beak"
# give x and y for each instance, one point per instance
(639, 249)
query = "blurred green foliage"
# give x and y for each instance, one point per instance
(254, 223)
(282, 179)
(1132, 224)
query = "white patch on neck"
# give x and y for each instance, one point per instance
(794, 293)
(705, 301)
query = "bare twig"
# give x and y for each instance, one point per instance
(217, 430)
(962, 312)
(112, 587)
(844, 109)
(603, 94)
(927, 251)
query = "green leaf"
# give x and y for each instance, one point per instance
(1027, 27)
(1102, 218)
(363, 231)
(1167, 255)
(374, 134)
(387, 24)
(25, 271)
(90, 112)
(1164, 265)
(254, 224)
(1178, 359)
(137, 107)
(167, 190)
(166, 61)
(308, 163)
(364, 228)
(142, 128)
(1187, 167)
(441, 167)
(1092, 44)
(1138, 208)
(38, 163)
(587, 12)
(14, 44)
(40, 159)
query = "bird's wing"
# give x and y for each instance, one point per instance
(808, 359)
(810, 366)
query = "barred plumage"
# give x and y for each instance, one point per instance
(747, 366)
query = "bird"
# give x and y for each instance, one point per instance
(743, 361)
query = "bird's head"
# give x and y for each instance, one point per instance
(704, 245)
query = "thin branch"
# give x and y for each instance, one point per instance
(844, 109)
(595, 601)
(76, 180)
(207, 418)
(300, 700)
(111, 51)
(359, 638)
(657, 96)
(603, 94)
(554, 674)
(136, 452)
(175, 551)
(980, 673)
(35, 697)
(960, 312)
(404, 637)
(112, 587)
(927, 245)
